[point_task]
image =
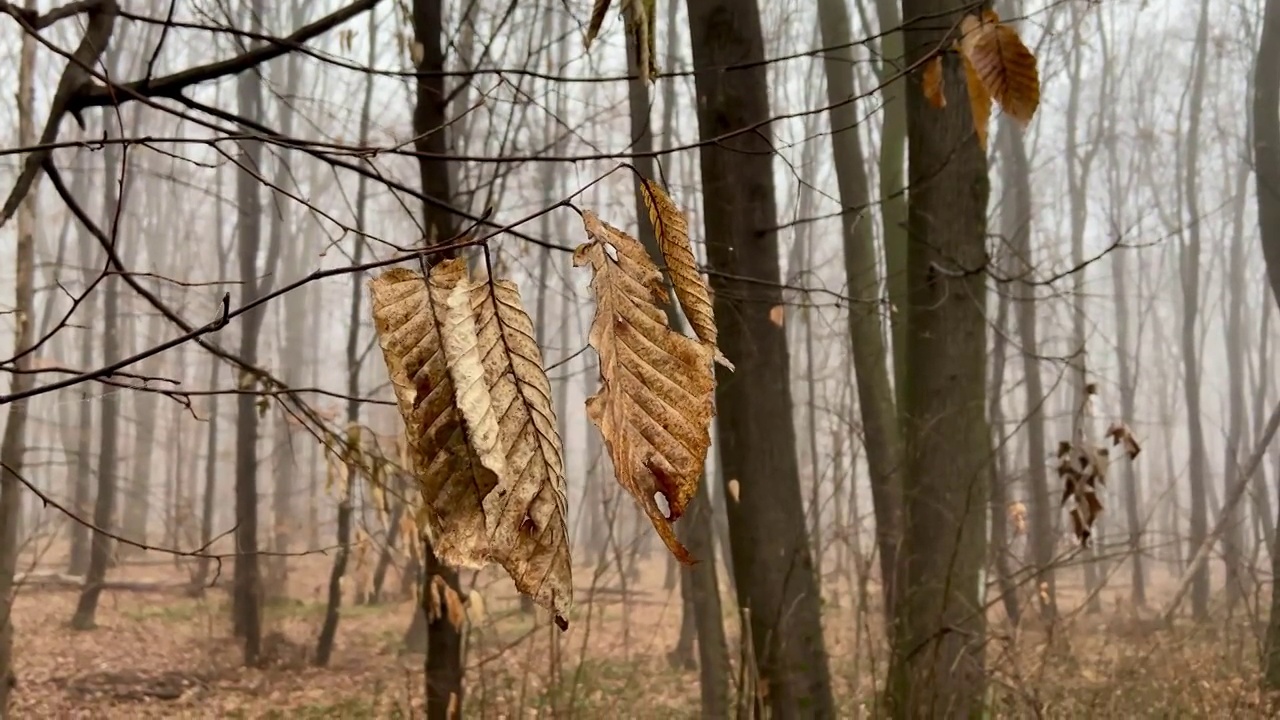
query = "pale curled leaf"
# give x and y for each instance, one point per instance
(672, 230)
(451, 480)
(654, 407)
(504, 396)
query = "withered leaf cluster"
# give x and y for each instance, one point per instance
(480, 428)
(998, 68)
(476, 404)
(655, 404)
(1082, 467)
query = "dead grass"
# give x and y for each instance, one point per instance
(165, 655)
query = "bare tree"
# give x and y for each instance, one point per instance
(777, 588)
(938, 645)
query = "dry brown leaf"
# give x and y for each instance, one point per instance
(1018, 517)
(979, 102)
(505, 399)
(931, 82)
(598, 11)
(1120, 434)
(451, 479)
(654, 408)
(1002, 63)
(445, 603)
(777, 315)
(734, 488)
(672, 231)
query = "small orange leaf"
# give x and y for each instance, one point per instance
(931, 82)
(777, 315)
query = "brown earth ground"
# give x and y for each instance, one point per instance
(161, 654)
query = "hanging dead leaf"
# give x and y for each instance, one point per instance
(733, 490)
(931, 82)
(1120, 434)
(451, 479)
(598, 11)
(777, 315)
(655, 406)
(979, 102)
(504, 397)
(1018, 517)
(692, 291)
(1002, 64)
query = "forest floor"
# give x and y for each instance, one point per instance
(161, 654)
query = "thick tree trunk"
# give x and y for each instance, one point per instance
(1266, 155)
(937, 668)
(776, 585)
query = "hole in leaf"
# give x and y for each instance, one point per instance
(664, 507)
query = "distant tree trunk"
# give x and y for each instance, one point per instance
(937, 664)
(1189, 266)
(893, 197)
(443, 669)
(82, 492)
(698, 582)
(1266, 155)
(247, 584)
(105, 504)
(1233, 307)
(1079, 160)
(137, 507)
(209, 494)
(355, 438)
(875, 393)
(296, 307)
(1015, 215)
(776, 585)
(1260, 390)
(1001, 478)
(13, 446)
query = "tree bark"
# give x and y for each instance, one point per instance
(866, 336)
(443, 668)
(776, 585)
(1189, 266)
(1266, 155)
(13, 446)
(937, 665)
(104, 507)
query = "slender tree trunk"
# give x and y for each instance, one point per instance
(247, 587)
(866, 335)
(355, 438)
(777, 589)
(893, 197)
(82, 492)
(1189, 262)
(937, 668)
(443, 669)
(105, 504)
(1233, 540)
(13, 446)
(1015, 216)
